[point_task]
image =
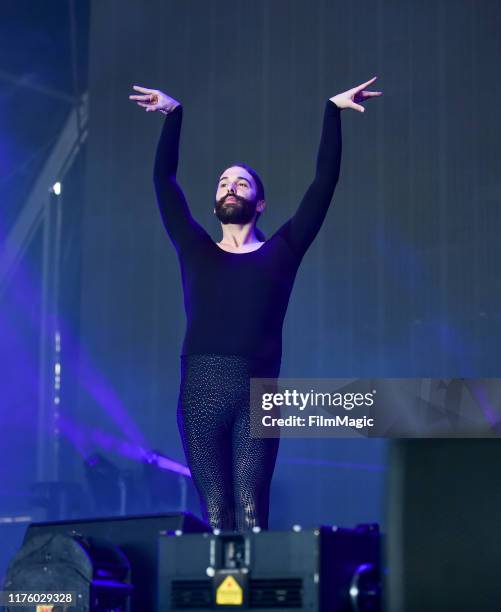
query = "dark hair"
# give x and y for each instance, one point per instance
(259, 193)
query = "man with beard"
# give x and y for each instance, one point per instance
(236, 294)
(234, 208)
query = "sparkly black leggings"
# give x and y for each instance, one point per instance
(231, 470)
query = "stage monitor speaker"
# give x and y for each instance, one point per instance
(137, 537)
(444, 526)
(328, 569)
(83, 574)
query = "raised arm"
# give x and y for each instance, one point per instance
(176, 216)
(301, 229)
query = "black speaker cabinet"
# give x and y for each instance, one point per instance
(328, 569)
(95, 572)
(137, 537)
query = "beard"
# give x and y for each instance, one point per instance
(240, 212)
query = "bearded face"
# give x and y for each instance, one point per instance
(236, 197)
(235, 209)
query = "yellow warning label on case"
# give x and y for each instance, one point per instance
(229, 592)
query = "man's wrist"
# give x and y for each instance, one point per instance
(171, 110)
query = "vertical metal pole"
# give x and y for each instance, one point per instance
(56, 340)
(50, 344)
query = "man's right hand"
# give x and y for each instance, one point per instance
(154, 100)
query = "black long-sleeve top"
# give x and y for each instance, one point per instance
(235, 303)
